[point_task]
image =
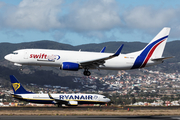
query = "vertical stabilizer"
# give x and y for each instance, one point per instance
(156, 47)
(153, 50)
(17, 87)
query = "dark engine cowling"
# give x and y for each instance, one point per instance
(70, 66)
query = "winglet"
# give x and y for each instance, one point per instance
(102, 51)
(101, 61)
(50, 96)
(57, 101)
(118, 51)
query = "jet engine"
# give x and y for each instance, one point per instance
(70, 66)
(72, 103)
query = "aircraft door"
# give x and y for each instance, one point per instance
(25, 54)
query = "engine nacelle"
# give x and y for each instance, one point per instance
(70, 66)
(72, 103)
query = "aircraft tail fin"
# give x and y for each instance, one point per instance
(156, 47)
(17, 87)
(153, 50)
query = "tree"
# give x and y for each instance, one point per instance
(133, 100)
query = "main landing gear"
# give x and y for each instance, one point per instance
(59, 105)
(86, 72)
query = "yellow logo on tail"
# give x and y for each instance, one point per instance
(16, 86)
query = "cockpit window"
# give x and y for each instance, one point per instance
(15, 53)
(104, 97)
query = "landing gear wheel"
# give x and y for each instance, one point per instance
(84, 72)
(87, 73)
(59, 105)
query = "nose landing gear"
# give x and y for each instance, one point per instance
(86, 72)
(21, 68)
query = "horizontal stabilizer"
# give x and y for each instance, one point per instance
(160, 59)
(16, 96)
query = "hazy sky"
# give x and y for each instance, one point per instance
(79, 22)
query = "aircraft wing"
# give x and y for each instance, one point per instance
(101, 61)
(58, 100)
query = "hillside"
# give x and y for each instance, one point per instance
(44, 74)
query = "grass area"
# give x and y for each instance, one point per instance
(92, 112)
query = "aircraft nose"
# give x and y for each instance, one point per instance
(8, 57)
(108, 100)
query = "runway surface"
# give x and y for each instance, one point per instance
(94, 108)
(89, 117)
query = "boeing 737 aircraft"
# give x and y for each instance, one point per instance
(75, 60)
(67, 99)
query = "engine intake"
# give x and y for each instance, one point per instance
(70, 66)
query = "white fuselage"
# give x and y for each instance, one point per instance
(45, 57)
(79, 98)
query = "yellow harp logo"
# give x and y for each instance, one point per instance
(16, 86)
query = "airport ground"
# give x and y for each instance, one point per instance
(89, 117)
(92, 111)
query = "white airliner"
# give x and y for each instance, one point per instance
(59, 99)
(75, 60)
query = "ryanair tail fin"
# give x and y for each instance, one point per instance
(17, 87)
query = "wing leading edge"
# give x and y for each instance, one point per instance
(58, 101)
(101, 61)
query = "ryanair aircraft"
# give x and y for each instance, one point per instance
(75, 60)
(59, 99)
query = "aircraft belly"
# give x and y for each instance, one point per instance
(115, 68)
(41, 101)
(151, 63)
(90, 102)
(41, 63)
(118, 64)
